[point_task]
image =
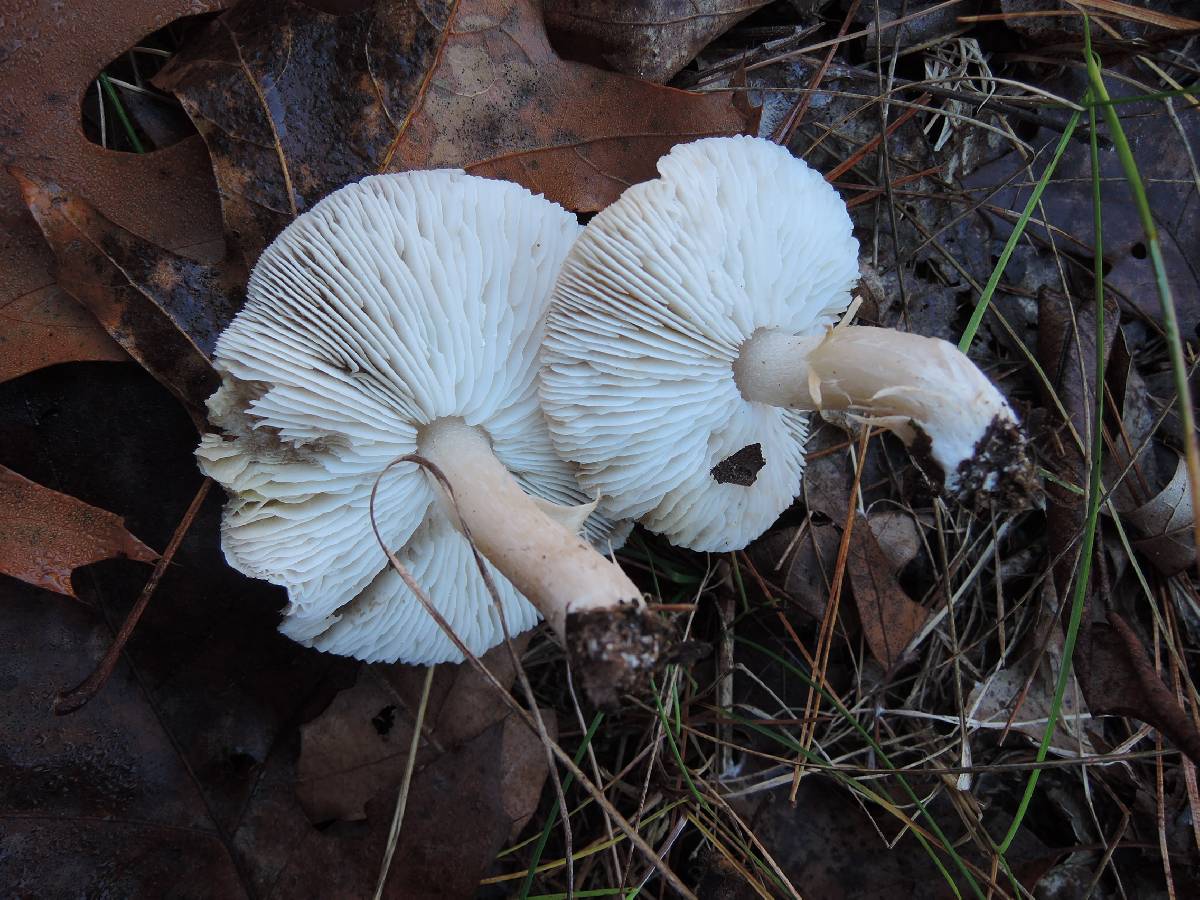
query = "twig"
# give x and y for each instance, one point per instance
(783, 134)
(79, 696)
(402, 798)
(812, 704)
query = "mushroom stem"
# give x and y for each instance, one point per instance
(556, 570)
(587, 599)
(957, 424)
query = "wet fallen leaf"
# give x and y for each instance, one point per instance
(1162, 153)
(45, 535)
(1165, 522)
(41, 326)
(461, 809)
(801, 560)
(164, 309)
(477, 763)
(294, 103)
(651, 39)
(898, 534)
(1119, 678)
(890, 618)
(51, 53)
(492, 782)
(358, 746)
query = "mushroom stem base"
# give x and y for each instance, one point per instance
(615, 651)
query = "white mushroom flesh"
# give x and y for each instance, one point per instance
(909, 384)
(739, 259)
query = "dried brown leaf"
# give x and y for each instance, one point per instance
(898, 534)
(51, 54)
(294, 103)
(890, 618)
(358, 746)
(45, 535)
(1113, 667)
(477, 764)
(992, 700)
(651, 39)
(1162, 150)
(801, 560)
(1118, 678)
(44, 326)
(1165, 522)
(164, 309)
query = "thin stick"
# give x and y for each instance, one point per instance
(402, 798)
(783, 134)
(812, 705)
(531, 699)
(851, 161)
(79, 696)
(563, 757)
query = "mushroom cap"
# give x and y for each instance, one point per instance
(648, 315)
(394, 302)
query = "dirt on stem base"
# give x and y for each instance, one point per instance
(616, 651)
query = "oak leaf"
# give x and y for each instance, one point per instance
(51, 54)
(164, 309)
(651, 39)
(295, 102)
(45, 535)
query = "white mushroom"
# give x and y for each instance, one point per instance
(401, 315)
(691, 329)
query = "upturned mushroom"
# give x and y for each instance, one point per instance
(693, 327)
(403, 315)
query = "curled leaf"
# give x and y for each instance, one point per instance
(890, 618)
(1165, 521)
(651, 39)
(164, 309)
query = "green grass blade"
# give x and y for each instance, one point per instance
(1019, 229)
(669, 730)
(527, 884)
(934, 827)
(1166, 300)
(1095, 494)
(119, 109)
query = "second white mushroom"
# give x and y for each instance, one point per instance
(692, 328)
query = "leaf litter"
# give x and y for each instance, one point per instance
(394, 86)
(221, 747)
(51, 56)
